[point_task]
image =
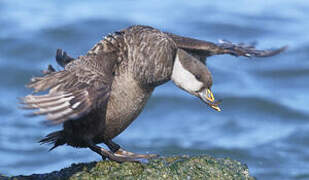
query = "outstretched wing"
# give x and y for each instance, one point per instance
(83, 86)
(205, 49)
(242, 49)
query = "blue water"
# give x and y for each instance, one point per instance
(265, 117)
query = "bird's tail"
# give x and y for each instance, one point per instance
(55, 138)
(63, 58)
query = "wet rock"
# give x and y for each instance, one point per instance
(179, 167)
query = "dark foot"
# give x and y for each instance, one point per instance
(123, 153)
(110, 155)
(115, 148)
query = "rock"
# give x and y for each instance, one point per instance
(179, 167)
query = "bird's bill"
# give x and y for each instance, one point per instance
(208, 97)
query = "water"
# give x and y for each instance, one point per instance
(265, 117)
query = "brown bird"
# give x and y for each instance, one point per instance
(98, 95)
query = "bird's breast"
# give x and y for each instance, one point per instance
(126, 101)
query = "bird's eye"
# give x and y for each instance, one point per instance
(198, 77)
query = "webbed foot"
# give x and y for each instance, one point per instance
(123, 153)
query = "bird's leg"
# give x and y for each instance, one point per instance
(123, 153)
(119, 152)
(110, 155)
(98, 150)
(112, 146)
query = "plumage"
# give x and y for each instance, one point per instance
(98, 95)
(203, 49)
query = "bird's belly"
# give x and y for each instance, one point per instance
(126, 102)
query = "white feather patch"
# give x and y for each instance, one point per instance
(76, 105)
(184, 78)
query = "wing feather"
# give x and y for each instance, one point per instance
(203, 49)
(84, 85)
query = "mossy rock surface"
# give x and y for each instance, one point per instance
(179, 167)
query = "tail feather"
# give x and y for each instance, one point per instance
(63, 58)
(55, 138)
(48, 81)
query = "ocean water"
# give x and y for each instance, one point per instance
(265, 117)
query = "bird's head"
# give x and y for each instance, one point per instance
(193, 76)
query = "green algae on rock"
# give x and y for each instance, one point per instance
(3, 177)
(179, 167)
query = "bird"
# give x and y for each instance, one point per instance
(98, 95)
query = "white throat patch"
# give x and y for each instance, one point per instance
(184, 78)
